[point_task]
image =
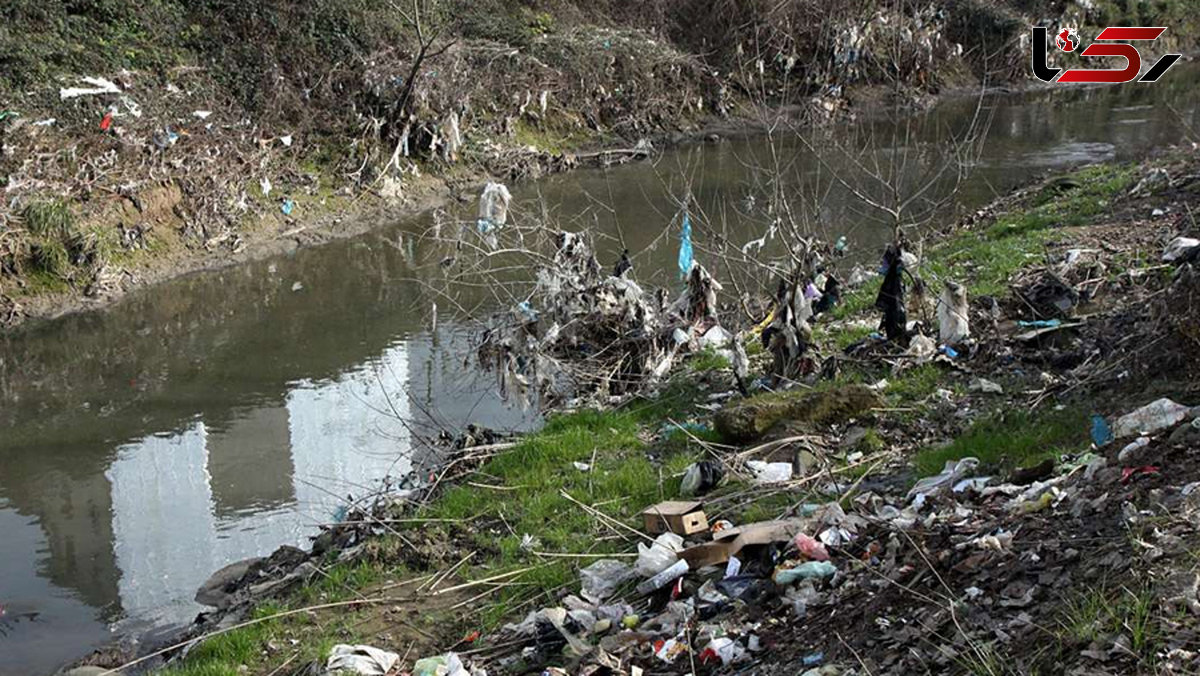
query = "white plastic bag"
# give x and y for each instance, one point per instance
(602, 578)
(770, 472)
(360, 659)
(493, 205)
(659, 556)
(1152, 417)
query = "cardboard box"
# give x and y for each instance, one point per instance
(679, 517)
(761, 533)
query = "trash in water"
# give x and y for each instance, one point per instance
(365, 660)
(493, 205)
(685, 247)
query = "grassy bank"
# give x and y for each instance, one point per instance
(510, 535)
(235, 123)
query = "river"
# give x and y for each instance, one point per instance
(219, 415)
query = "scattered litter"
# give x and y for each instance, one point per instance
(770, 472)
(954, 471)
(1151, 418)
(286, 141)
(493, 206)
(264, 184)
(1132, 448)
(582, 466)
(362, 659)
(1101, 433)
(700, 478)
(811, 548)
(287, 206)
(603, 578)
(952, 310)
(664, 577)
(202, 114)
(99, 86)
(986, 386)
(1129, 473)
(686, 257)
(676, 516)
(1181, 249)
(660, 555)
(809, 570)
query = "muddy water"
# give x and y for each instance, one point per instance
(218, 416)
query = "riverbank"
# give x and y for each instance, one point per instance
(1079, 552)
(138, 146)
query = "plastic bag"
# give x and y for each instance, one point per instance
(1152, 417)
(700, 478)
(659, 556)
(811, 548)
(602, 578)
(953, 325)
(951, 474)
(685, 247)
(770, 472)
(810, 570)
(493, 205)
(361, 659)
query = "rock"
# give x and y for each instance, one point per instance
(749, 419)
(217, 590)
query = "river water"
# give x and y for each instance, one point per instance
(220, 415)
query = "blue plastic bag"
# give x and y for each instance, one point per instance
(685, 247)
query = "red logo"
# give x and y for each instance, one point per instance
(1110, 42)
(1066, 40)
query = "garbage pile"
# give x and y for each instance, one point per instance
(942, 572)
(584, 332)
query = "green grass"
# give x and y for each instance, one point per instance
(708, 359)
(1014, 439)
(1108, 612)
(49, 219)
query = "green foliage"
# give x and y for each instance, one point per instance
(1009, 440)
(1073, 201)
(709, 359)
(1106, 612)
(49, 220)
